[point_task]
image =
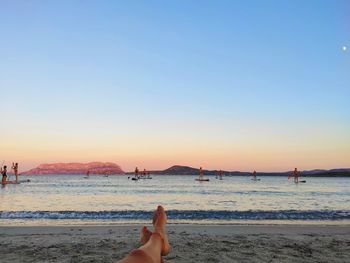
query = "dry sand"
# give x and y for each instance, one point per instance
(191, 243)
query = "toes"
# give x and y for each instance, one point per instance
(144, 230)
(158, 212)
(148, 233)
(162, 218)
(145, 235)
(160, 209)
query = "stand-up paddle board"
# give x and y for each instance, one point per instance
(303, 181)
(10, 182)
(202, 180)
(24, 181)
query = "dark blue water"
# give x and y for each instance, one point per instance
(183, 215)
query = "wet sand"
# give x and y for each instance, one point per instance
(191, 243)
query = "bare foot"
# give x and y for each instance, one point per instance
(159, 222)
(145, 235)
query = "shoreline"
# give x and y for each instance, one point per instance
(228, 229)
(191, 243)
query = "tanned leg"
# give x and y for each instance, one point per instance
(154, 244)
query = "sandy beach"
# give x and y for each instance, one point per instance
(191, 243)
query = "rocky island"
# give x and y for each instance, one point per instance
(77, 168)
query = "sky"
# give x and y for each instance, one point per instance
(235, 85)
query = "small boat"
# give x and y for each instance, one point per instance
(255, 179)
(134, 179)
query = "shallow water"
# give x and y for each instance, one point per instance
(116, 199)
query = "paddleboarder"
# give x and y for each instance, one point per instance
(15, 170)
(221, 173)
(4, 174)
(201, 174)
(296, 175)
(254, 175)
(136, 173)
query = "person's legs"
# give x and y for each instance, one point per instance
(159, 223)
(154, 244)
(148, 253)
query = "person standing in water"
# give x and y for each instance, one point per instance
(296, 175)
(15, 170)
(254, 175)
(201, 174)
(221, 173)
(136, 173)
(4, 174)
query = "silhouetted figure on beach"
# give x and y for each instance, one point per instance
(154, 244)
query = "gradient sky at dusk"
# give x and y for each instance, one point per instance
(236, 85)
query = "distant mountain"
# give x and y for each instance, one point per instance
(112, 168)
(178, 169)
(76, 168)
(186, 170)
(341, 172)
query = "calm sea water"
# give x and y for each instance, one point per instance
(70, 199)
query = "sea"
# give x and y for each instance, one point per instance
(99, 200)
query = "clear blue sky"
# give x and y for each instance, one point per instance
(231, 84)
